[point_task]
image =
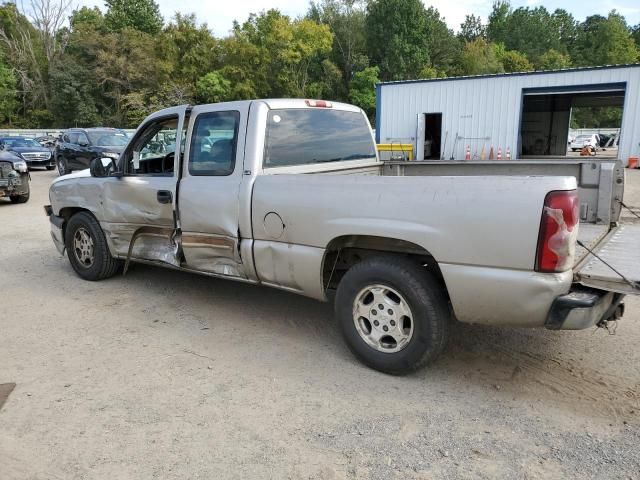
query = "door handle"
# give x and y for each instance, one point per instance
(164, 196)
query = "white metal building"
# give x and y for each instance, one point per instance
(527, 113)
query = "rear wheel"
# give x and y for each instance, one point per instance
(393, 314)
(87, 248)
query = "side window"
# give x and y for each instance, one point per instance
(213, 143)
(82, 139)
(153, 151)
(73, 137)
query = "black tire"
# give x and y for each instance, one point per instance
(20, 198)
(103, 264)
(63, 168)
(424, 295)
(50, 167)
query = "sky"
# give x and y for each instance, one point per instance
(219, 14)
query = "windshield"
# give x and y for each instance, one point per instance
(583, 137)
(20, 142)
(304, 136)
(108, 139)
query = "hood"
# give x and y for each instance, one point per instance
(77, 174)
(29, 149)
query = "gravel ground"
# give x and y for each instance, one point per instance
(161, 374)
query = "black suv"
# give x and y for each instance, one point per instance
(78, 146)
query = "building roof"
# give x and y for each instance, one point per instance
(512, 74)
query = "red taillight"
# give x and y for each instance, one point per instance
(558, 232)
(318, 103)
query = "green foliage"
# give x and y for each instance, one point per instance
(596, 117)
(397, 39)
(605, 41)
(479, 57)
(472, 28)
(346, 19)
(212, 88)
(86, 17)
(514, 61)
(72, 97)
(142, 15)
(553, 60)
(8, 103)
(363, 89)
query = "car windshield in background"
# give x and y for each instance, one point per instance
(305, 136)
(20, 142)
(108, 139)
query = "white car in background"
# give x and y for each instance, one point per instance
(582, 141)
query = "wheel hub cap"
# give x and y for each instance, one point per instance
(382, 318)
(83, 247)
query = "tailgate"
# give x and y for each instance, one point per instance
(621, 250)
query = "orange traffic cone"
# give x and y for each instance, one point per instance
(491, 154)
(467, 156)
(508, 153)
(499, 157)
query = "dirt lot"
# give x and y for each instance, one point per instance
(165, 375)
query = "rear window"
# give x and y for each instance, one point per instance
(306, 136)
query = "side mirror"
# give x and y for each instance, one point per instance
(102, 167)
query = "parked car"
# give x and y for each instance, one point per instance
(78, 146)
(14, 177)
(291, 194)
(47, 141)
(582, 141)
(29, 150)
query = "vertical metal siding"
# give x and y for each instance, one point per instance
(491, 106)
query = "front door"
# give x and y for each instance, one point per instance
(209, 189)
(138, 208)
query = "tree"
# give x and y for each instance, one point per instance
(363, 90)
(553, 60)
(605, 41)
(271, 55)
(396, 37)
(193, 49)
(514, 61)
(498, 21)
(444, 46)
(34, 39)
(213, 87)
(87, 17)
(346, 19)
(142, 15)
(635, 33)
(8, 103)
(472, 28)
(479, 57)
(72, 96)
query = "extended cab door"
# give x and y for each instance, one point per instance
(209, 189)
(139, 206)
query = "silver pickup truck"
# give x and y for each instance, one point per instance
(291, 194)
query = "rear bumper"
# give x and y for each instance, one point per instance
(57, 232)
(584, 308)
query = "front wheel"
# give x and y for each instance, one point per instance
(393, 314)
(87, 248)
(63, 169)
(20, 198)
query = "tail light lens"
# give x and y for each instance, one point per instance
(558, 232)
